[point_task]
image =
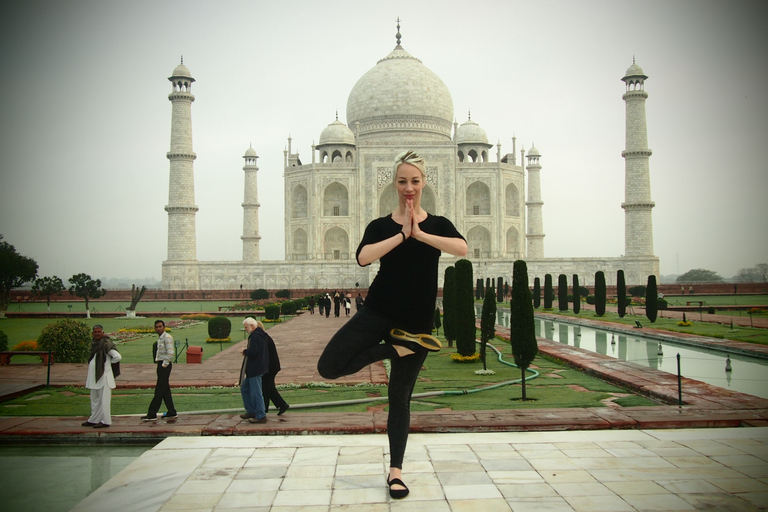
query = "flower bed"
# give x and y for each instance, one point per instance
(26, 345)
(200, 317)
(131, 333)
(458, 358)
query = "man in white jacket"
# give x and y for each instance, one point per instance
(100, 379)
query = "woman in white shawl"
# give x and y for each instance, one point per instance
(100, 379)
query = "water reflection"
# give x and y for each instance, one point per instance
(56, 478)
(748, 375)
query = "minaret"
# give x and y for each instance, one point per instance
(250, 208)
(637, 205)
(535, 234)
(181, 208)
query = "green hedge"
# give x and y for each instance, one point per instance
(219, 327)
(259, 294)
(288, 308)
(272, 311)
(70, 339)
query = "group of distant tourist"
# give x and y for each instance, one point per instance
(398, 309)
(336, 300)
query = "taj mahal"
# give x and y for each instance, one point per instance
(399, 104)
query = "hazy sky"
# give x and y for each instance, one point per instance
(85, 116)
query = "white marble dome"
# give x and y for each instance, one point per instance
(181, 70)
(471, 133)
(250, 152)
(401, 93)
(634, 70)
(337, 133)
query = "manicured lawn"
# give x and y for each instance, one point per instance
(134, 351)
(719, 300)
(145, 306)
(748, 334)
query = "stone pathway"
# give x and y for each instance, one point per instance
(614, 471)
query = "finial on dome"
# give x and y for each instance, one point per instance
(182, 59)
(337, 114)
(633, 59)
(398, 36)
(469, 115)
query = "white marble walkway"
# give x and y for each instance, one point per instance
(614, 471)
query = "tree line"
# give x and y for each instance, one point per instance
(17, 269)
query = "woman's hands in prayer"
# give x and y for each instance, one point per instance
(411, 225)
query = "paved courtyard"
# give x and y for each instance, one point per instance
(583, 471)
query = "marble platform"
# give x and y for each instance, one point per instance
(617, 470)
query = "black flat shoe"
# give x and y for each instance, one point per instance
(89, 424)
(101, 425)
(397, 494)
(283, 409)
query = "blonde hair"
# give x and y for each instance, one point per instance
(259, 324)
(409, 157)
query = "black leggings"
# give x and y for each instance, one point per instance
(358, 344)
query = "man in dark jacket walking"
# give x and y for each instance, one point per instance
(268, 379)
(255, 364)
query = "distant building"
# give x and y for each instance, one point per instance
(399, 104)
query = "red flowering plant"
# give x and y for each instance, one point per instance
(26, 345)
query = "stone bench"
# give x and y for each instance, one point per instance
(6, 355)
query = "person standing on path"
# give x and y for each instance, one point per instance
(268, 379)
(100, 379)
(164, 359)
(255, 364)
(400, 301)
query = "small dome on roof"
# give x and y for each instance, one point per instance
(471, 133)
(533, 151)
(634, 70)
(250, 152)
(182, 70)
(337, 133)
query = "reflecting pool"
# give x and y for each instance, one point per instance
(748, 374)
(56, 478)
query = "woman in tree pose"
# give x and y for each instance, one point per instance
(400, 305)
